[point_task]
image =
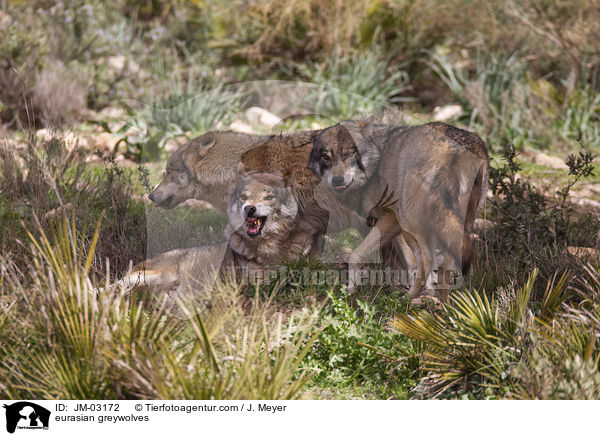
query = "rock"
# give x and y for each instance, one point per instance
(240, 126)
(113, 112)
(71, 139)
(106, 141)
(76, 140)
(173, 144)
(584, 252)
(316, 126)
(587, 202)
(5, 20)
(550, 161)
(117, 64)
(258, 115)
(448, 112)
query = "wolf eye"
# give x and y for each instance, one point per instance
(269, 197)
(244, 197)
(325, 157)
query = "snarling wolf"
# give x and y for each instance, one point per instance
(204, 168)
(264, 225)
(438, 174)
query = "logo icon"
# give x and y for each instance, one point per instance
(26, 415)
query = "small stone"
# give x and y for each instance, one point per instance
(550, 161)
(446, 113)
(258, 115)
(584, 252)
(240, 126)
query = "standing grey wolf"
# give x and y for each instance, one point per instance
(204, 168)
(438, 173)
(265, 225)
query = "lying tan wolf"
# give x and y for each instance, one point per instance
(185, 272)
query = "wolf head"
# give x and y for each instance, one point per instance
(340, 157)
(179, 181)
(262, 204)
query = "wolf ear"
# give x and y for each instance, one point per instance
(208, 140)
(314, 163)
(242, 170)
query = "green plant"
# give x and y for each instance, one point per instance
(183, 113)
(354, 349)
(474, 343)
(358, 84)
(526, 219)
(69, 341)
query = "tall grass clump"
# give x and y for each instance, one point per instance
(69, 341)
(48, 179)
(509, 346)
(356, 84)
(188, 110)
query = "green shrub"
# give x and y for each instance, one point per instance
(183, 113)
(68, 341)
(355, 352)
(527, 220)
(353, 85)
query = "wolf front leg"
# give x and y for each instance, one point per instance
(384, 230)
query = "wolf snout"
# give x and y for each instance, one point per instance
(151, 196)
(337, 181)
(249, 210)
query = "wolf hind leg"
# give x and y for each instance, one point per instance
(424, 258)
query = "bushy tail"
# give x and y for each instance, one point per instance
(476, 201)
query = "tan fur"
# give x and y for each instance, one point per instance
(320, 209)
(188, 271)
(205, 168)
(284, 235)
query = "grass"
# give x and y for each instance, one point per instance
(104, 345)
(503, 335)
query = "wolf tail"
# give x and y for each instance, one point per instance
(476, 201)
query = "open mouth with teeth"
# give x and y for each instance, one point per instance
(254, 225)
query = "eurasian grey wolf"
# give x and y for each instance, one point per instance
(265, 225)
(204, 168)
(438, 173)
(186, 272)
(263, 228)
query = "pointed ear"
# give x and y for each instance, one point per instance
(288, 175)
(314, 163)
(242, 170)
(197, 148)
(207, 140)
